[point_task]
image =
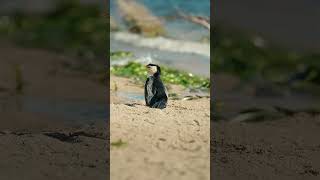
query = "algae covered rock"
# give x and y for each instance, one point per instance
(139, 19)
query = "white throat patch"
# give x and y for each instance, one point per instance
(152, 70)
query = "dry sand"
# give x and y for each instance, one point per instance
(158, 144)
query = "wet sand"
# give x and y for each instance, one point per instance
(40, 145)
(159, 144)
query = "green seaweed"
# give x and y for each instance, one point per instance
(250, 57)
(116, 55)
(168, 75)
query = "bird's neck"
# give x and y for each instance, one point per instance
(156, 75)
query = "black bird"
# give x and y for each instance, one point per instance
(155, 93)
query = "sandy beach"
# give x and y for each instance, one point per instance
(62, 153)
(36, 141)
(284, 147)
(159, 144)
(287, 148)
(145, 143)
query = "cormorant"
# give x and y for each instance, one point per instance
(155, 93)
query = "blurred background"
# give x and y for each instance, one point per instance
(290, 24)
(53, 89)
(265, 75)
(45, 43)
(266, 55)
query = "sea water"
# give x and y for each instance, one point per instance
(182, 46)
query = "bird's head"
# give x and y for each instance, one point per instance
(153, 70)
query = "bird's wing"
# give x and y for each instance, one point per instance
(149, 91)
(166, 91)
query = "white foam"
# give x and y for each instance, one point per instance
(146, 59)
(142, 59)
(163, 44)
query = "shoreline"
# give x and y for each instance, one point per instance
(163, 43)
(191, 56)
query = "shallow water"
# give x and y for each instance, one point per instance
(73, 110)
(190, 59)
(139, 96)
(176, 28)
(131, 95)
